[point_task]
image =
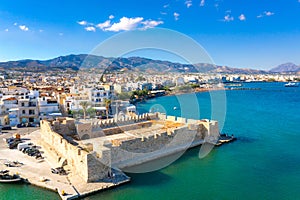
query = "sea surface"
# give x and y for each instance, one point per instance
(264, 163)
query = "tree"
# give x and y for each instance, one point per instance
(107, 103)
(91, 112)
(84, 105)
(124, 95)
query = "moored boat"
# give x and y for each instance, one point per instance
(291, 84)
(5, 177)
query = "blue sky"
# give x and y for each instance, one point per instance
(247, 33)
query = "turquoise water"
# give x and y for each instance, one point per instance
(262, 164)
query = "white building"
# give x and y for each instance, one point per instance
(98, 94)
(48, 106)
(28, 110)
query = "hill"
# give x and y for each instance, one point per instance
(139, 64)
(286, 67)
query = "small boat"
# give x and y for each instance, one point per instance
(5, 177)
(291, 84)
(225, 138)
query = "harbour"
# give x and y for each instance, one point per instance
(220, 167)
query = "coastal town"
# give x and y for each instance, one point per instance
(26, 98)
(83, 131)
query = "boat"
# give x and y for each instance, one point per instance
(225, 138)
(291, 84)
(5, 177)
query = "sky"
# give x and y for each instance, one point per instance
(258, 34)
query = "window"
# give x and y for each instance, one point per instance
(23, 104)
(31, 112)
(23, 112)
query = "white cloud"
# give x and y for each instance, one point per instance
(15, 24)
(125, 24)
(104, 25)
(151, 24)
(111, 17)
(176, 16)
(90, 28)
(266, 14)
(188, 3)
(242, 17)
(167, 5)
(228, 18)
(24, 28)
(164, 13)
(6, 30)
(82, 23)
(202, 3)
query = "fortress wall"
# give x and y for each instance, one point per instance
(64, 126)
(138, 147)
(171, 118)
(126, 120)
(120, 129)
(88, 131)
(181, 120)
(136, 150)
(162, 116)
(80, 161)
(214, 128)
(96, 165)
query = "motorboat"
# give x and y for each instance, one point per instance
(291, 84)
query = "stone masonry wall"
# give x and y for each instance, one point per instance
(86, 165)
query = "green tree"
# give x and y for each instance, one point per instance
(91, 112)
(124, 95)
(107, 103)
(84, 105)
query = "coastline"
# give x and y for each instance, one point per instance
(196, 90)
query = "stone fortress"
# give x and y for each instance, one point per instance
(92, 148)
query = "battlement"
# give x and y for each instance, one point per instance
(90, 148)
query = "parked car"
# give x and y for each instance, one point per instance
(21, 125)
(32, 125)
(6, 128)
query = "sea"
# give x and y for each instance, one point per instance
(264, 162)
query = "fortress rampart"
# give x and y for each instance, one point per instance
(90, 149)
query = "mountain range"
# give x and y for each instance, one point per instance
(138, 64)
(287, 67)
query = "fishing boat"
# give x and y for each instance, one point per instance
(291, 84)
(5, 177)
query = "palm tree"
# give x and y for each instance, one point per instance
(107, 103)
(84, 105)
